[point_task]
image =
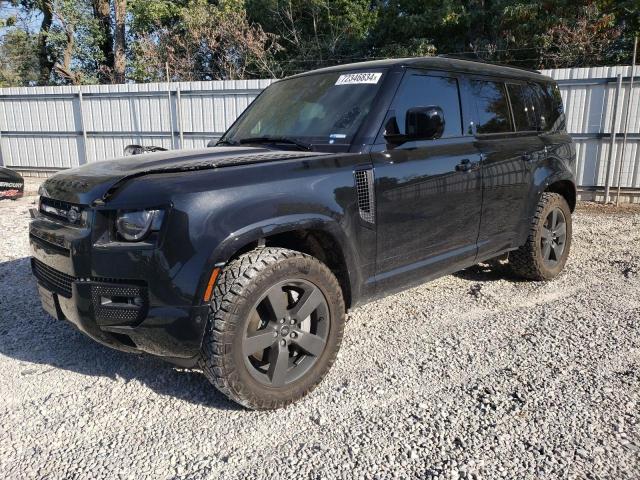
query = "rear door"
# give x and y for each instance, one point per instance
(507, 138)
(428, 192)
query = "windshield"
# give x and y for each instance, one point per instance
(325, 108)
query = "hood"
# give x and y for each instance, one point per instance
(7, 175)
(96, 182)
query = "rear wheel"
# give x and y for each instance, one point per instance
(545, 253)
(275, 325)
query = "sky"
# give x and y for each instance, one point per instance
(31, 20)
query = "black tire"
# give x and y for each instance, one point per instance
(242, 301)
(537, 258)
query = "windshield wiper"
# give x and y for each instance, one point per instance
(292, 141)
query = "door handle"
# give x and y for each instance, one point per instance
(467, 165)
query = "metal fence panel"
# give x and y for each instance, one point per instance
(50, 128)
(589, 96)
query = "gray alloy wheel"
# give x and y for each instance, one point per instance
(287, 332)
(548, 244)
(553, 237)
(276, 321)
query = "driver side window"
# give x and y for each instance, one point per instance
(419, 90)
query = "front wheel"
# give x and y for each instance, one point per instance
(275, 326)
(545, 253)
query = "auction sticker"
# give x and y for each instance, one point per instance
(358, 78)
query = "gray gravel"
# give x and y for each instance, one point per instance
(475, 375)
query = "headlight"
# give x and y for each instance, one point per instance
(134, 226)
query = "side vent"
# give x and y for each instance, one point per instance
(364, 190)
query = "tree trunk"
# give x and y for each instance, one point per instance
(102, 11)
(44, 58)
(120, 42)
(64, 69)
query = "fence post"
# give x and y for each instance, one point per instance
(83, 129)
(607, 182)
(170, 105)
(179, 114)
(626, 120)
(1, 159)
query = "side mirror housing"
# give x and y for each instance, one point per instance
(139, 149)
(424, 123)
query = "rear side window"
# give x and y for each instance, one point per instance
(426, 91)
(524, 103)
(491, 105)
(551, 105)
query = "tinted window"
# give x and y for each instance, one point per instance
(524, 103)
(552, 110)
(492, 107)
(427, 91)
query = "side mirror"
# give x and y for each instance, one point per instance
(424, 123)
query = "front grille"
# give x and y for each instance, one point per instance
(50, 245)
(64, 212)
(115, 301)
(51, 278)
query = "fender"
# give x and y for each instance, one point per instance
(552, 170)
(235, 241)
(558, 166)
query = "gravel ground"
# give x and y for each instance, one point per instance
(475, 375)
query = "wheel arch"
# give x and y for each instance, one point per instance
(318, 236)
(565, 188)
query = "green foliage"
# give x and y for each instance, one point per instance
(75, 35)
(148, 15)
(18, 59)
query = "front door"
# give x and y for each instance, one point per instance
(428, 193)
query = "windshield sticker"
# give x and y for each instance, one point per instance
(358, 78)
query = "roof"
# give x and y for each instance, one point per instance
(440, 63)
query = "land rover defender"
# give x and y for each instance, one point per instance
(333, 188)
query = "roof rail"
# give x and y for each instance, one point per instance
(473, 57)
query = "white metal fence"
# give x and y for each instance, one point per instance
(596, 101)
(49, 128)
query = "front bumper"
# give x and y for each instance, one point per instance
(125, 298)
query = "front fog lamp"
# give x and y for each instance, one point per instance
(134, 226)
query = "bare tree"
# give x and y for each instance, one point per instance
(209, 43)
(63, 64)
(102, 12)
(582, 41)
(45, 59)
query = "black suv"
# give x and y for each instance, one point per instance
(335, 187)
